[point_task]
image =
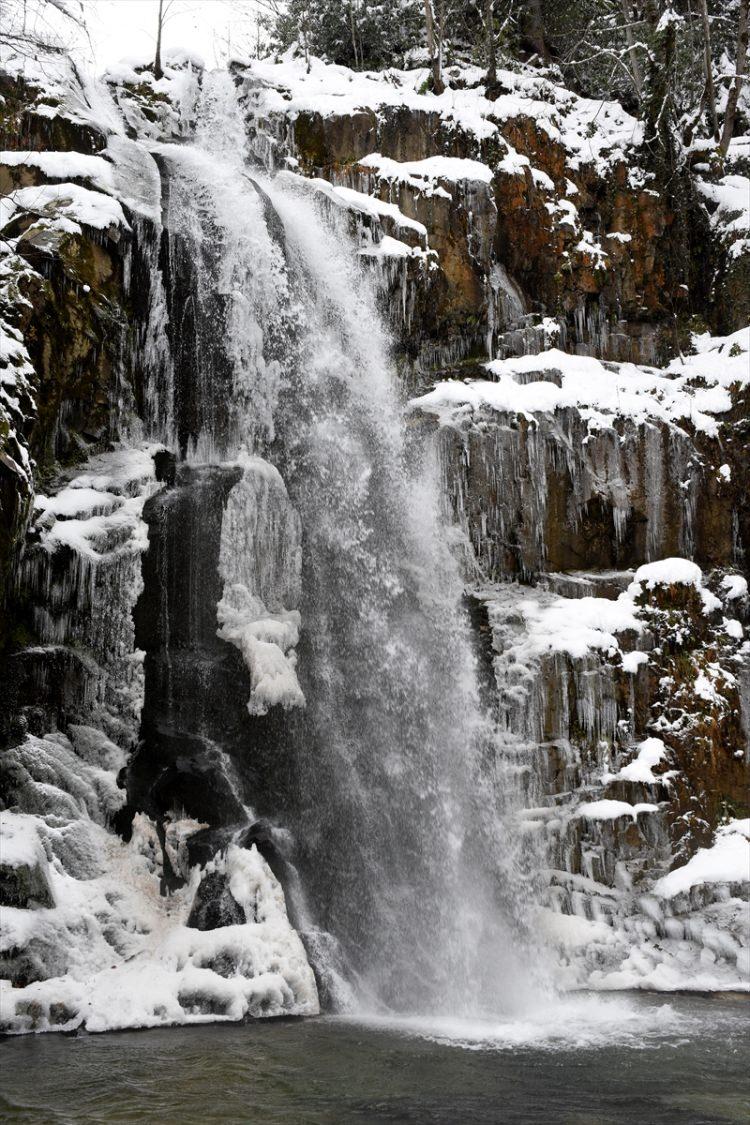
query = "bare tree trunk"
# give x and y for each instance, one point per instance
(489, 31)
(158, 72)
(534, 29)
(739, 72)
(353, 27)
(432, 48)
(635, 63)
(708, 66)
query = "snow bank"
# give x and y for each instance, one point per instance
(593, 132)
(135, 962)
(651, 752)
(600, 393)
(576, 626)
(612, 810)
(673, 572)
(389, 247)
(290, 86)
(735, 587)
(77, 503)
(65, 166)
(668, 572)
(66, 206)
(99, 510)
(19, 840)
(424, 174)
(726, 861)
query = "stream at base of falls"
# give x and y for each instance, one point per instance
(626, 1058)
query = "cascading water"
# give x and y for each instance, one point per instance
(397, 802)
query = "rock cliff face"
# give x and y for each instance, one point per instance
(525, 267)
(535, 203)
(109, 920)
(499, 228)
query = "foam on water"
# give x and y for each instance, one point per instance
(563, 1023)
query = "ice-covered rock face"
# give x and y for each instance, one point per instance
(220, 946)
(90, 937)
(260, 562)
(558, 462)
(80, 578)
(159, 601)
(532, 203)
(621, 708)
(86, 938)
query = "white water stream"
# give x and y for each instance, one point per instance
(402, 812)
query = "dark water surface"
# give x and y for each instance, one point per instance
(637, 1059)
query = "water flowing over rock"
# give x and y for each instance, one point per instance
(374, 630)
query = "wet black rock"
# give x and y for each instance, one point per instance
(214, 905)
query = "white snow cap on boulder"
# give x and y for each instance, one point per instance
(669, 572)
(673, 572)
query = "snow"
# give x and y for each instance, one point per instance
(63, 89)
(726, 861)
(592, 132)
(673, 572)
(19, 841)
(423, 174)
(705, 684)
(65, 166)
(356, 201)
(156, 109)
(612, 810)
(389, 247)
(600, 393)
(335, 90)
(733, 627)
(66, 203)
(576, 626)
(89, 519)
(667, 572)
(78, 502)
(122, 471)
(135, 962)
(631, 661)
(735, 587)
(651, 752)
(719, 360)
(730, 202)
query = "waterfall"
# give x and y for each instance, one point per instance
(395, 790)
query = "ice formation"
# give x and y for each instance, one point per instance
(266, 380)
(91, 942)
(260, 563)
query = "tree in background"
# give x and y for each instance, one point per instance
(362, 34)
(434, 26)
(620, 49)
(28, 24)
(737, 80)
(680, 65)
(166, 10)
